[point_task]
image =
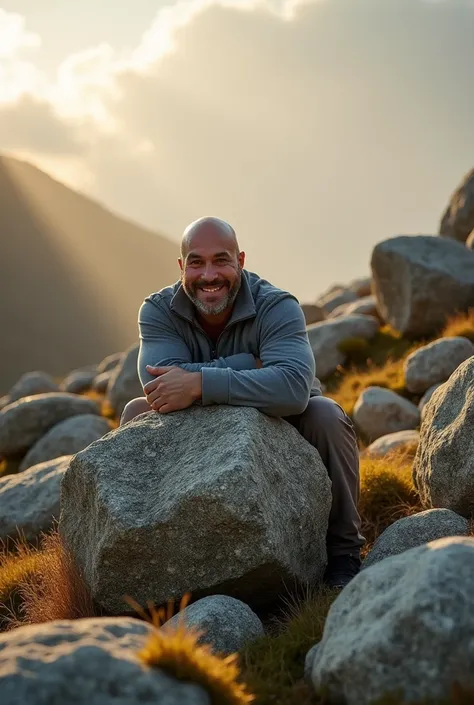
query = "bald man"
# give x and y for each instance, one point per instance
(223, 335)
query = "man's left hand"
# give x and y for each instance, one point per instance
(176, 389)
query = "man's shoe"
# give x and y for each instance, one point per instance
(340, 570)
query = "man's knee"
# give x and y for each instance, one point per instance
(325, 412)
(133, 408)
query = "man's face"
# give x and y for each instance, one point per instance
(211, 272)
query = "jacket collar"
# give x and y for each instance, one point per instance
(244, 304)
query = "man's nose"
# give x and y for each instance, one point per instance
(209, 273)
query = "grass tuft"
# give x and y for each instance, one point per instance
(387, 493)
(56, 588)
(273, 665)
(15, 568)
(178, 653)
(462, 324)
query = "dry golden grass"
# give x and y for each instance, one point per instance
(55, 589)
(461, 324)
(15, 568)
(387, 492)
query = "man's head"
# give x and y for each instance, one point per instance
(211, 265)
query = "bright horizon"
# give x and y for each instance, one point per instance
(316, 128)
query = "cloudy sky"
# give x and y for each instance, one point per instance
(316, 127)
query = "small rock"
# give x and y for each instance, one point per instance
(419, 281)
(87, 662)
(362, 287)
(124, 385)
(334, 297)
(66, 438)
(30, 500)
(416, 530)
(366, 306)
(25, 421)
(227, 624)
(392, 442)
(78, 381)
(379, 411)
(32, 383)
(110, 362)
(443, 466)
(313, 313)
(402, 627)
(435, 362)
(326, 337)
(101, 382)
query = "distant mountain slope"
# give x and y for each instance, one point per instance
(72, 275)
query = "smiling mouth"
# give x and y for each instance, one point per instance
(211, 289)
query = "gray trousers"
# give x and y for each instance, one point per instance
(327, 427)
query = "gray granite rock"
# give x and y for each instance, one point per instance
(379, 411)
(66, 438)
(326, 337)
(110, 362)
(435, 362)
(216, 499)
(334, 297)
(416, 530)
(79, 381)
(426, 398)
(29, 501)
(24, 422)
(226, 624)
(31, 383)
(392, 442)
(124, 384)
(458, 219)
(443, 470)
(366, 306)
(402, 627)
(101, 382)
(313, 313)
(419, 281)
(86, 662)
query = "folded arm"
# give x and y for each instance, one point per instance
(162, 346)
(282, 387)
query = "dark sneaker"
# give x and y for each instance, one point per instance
(340, 570)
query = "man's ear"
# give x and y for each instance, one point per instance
(180, 262)
(241, 259)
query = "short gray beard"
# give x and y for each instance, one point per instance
(215, 309)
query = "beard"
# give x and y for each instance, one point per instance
(213, 309)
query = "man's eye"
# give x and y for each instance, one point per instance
(222, 261)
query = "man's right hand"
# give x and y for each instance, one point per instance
(259, 363)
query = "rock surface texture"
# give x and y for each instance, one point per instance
(207, 500)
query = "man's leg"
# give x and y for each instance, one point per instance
(328, 428)
(135, 407)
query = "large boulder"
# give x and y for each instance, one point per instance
(435, 362)
(25, 421)
(419, 281)
(87, 662)
(415, 530)
(443, 470)
(124, 384)
(31, 383)
(66, 438)
(29, 501)
(326, 337)
(458, 219)
(226, 624)
(206, 500)
(379, 411)
(425, 399)
(402, 629)
(110, 362)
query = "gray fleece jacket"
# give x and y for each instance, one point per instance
(266, 322)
